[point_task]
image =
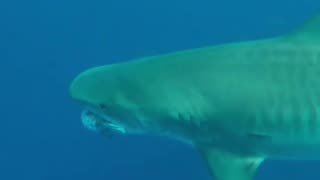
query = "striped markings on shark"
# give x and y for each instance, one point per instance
(237, 103)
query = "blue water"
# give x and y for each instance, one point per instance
(44, 44)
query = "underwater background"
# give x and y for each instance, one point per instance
(45, 44)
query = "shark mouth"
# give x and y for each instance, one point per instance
(98, 122)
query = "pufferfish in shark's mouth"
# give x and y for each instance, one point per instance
(95, 121)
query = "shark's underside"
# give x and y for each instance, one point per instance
(237, 103)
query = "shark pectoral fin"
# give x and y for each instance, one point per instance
(229, 166)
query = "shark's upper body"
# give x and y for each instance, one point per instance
(237, 103)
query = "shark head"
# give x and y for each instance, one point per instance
(107, 109)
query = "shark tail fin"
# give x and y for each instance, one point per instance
(229, 166)
(308, 31)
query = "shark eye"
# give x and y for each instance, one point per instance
(102, 106)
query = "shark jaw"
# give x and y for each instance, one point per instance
(98, 122)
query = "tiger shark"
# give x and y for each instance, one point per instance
(237, 103)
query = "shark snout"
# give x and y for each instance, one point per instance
(79, 86)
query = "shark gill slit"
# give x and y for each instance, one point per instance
(313, 114)
(307, 118)
(315, 98)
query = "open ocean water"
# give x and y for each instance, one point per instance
(45, 44)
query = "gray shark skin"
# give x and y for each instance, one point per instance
(237, 103)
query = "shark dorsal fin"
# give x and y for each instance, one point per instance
(229, 166)
(308, 31)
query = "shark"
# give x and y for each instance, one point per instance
(237, 103)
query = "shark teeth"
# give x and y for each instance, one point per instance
(117, 128)
(89, 121)
(98, 122)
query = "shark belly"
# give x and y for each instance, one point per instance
(286, 141)
(289, 132)
(295, 135)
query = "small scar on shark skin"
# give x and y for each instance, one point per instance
(259, 137)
